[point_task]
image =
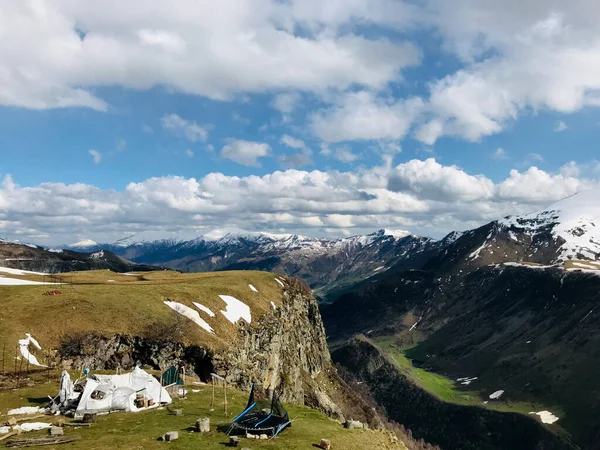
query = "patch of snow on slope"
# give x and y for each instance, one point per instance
(97, 255)
(25, 410)
(546, 416)
(475, 254)
(190, 314)
(252, 288)
(201, 307)
(279, 281)
(24, 348)
(415, 324)
(16, 282)
(19, 272)
(273, 305)
(528, 266)
(496, 395)
(575, 219)
(4, 430)
(236, 309)
(377, 269)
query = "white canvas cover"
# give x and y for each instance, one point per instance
(105, 393)
(66, 388)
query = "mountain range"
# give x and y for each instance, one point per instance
(327, 265)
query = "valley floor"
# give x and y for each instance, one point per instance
(443, 387)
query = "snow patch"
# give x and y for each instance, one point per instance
(24, 348)
(84, 243)
(466, 380)
(201, 307)
(236, 309)
(496, 395)
(273, 305)
(97, 255)
(546, 416)
(190, 313)
(279, 281)
(20, 272)
(252, 288)
(415, 325)
(378, 268)
(4, 281)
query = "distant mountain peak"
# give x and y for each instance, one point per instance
(84, 243)
(397, 234)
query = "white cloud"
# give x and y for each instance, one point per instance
(246, 153)
(560, 126)
(292, 142)
(286, 102)
(189, 129)
(210, 49)
(96, 156)
(345, 155)
(423, 196)
(499, 154)
(189, 153)
(431, 180)
(364, 116)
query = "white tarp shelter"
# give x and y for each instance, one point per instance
(105, 393)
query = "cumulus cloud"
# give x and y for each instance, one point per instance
(423, 196)
(431, 180)
(186, 128)
(203, 48)
(364, 116)
(286, 102)
(246, 153)
(345, 155)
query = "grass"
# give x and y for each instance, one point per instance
(128, 305)
(443, 387)
(141, 430)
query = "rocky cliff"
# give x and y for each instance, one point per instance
(283, 350)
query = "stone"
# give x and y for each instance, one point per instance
(263, 437)
(177, 412)
(353, 424)
(56, 431)
(89, 418)
(11, 422)
(325, 444)
(203, 425)
(234, 441)
(171, 436)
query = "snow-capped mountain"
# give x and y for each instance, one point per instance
(574, 224)
(323, 263)
(566, 230)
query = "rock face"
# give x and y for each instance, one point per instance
(285, 348)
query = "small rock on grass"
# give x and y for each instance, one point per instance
(171, 436)
(325, 444)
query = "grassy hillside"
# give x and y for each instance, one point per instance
(141, 430)
(109, 303)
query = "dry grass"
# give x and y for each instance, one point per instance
(90, 303)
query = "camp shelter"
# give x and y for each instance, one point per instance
(105, 393)
(172, 376)
(261, 416)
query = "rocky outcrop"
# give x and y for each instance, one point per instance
(286, 347)
(285, 351)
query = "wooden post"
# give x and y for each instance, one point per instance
(16, 355)
(225, 394)
(19, 375)
(212, 402)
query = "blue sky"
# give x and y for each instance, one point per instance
(311, 112)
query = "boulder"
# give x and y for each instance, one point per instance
(171, 436)
(353, 424)
(325, 444)
(56, 431)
